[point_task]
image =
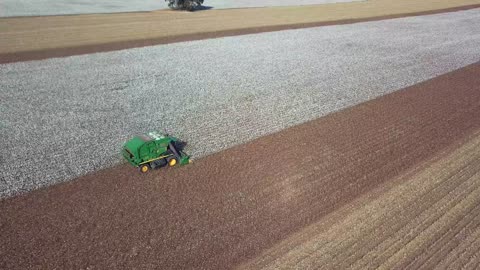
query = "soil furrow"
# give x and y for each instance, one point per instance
(474, 261)
(399, 258)
(404, 217)
(381, 239)
(401, 236)
(432, 258)
(464, 252)
(460, 191)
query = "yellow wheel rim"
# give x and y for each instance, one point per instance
(172, 162)
(144, 168)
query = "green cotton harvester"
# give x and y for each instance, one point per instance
(154, 150)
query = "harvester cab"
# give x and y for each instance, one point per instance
(154, 150)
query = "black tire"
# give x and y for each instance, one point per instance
(158, 163)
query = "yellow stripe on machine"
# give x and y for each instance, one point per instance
(148, 161)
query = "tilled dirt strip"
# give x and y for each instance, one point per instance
(35, 38)
(427, 216)
(61, 7)
(229, 207)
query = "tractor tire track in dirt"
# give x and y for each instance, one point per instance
(242, 204)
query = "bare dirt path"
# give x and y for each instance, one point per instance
(10, 8)
(230, 207)
(33, 38)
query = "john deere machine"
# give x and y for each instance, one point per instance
(154, 150)
(189, 5)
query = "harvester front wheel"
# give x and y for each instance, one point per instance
(172, 162)
(144, 168)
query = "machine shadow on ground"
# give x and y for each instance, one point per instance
(203, 8)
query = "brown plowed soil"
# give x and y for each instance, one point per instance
(426, 218)
(232, 207)
(33, 38)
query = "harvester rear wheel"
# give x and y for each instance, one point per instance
(144, 168)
